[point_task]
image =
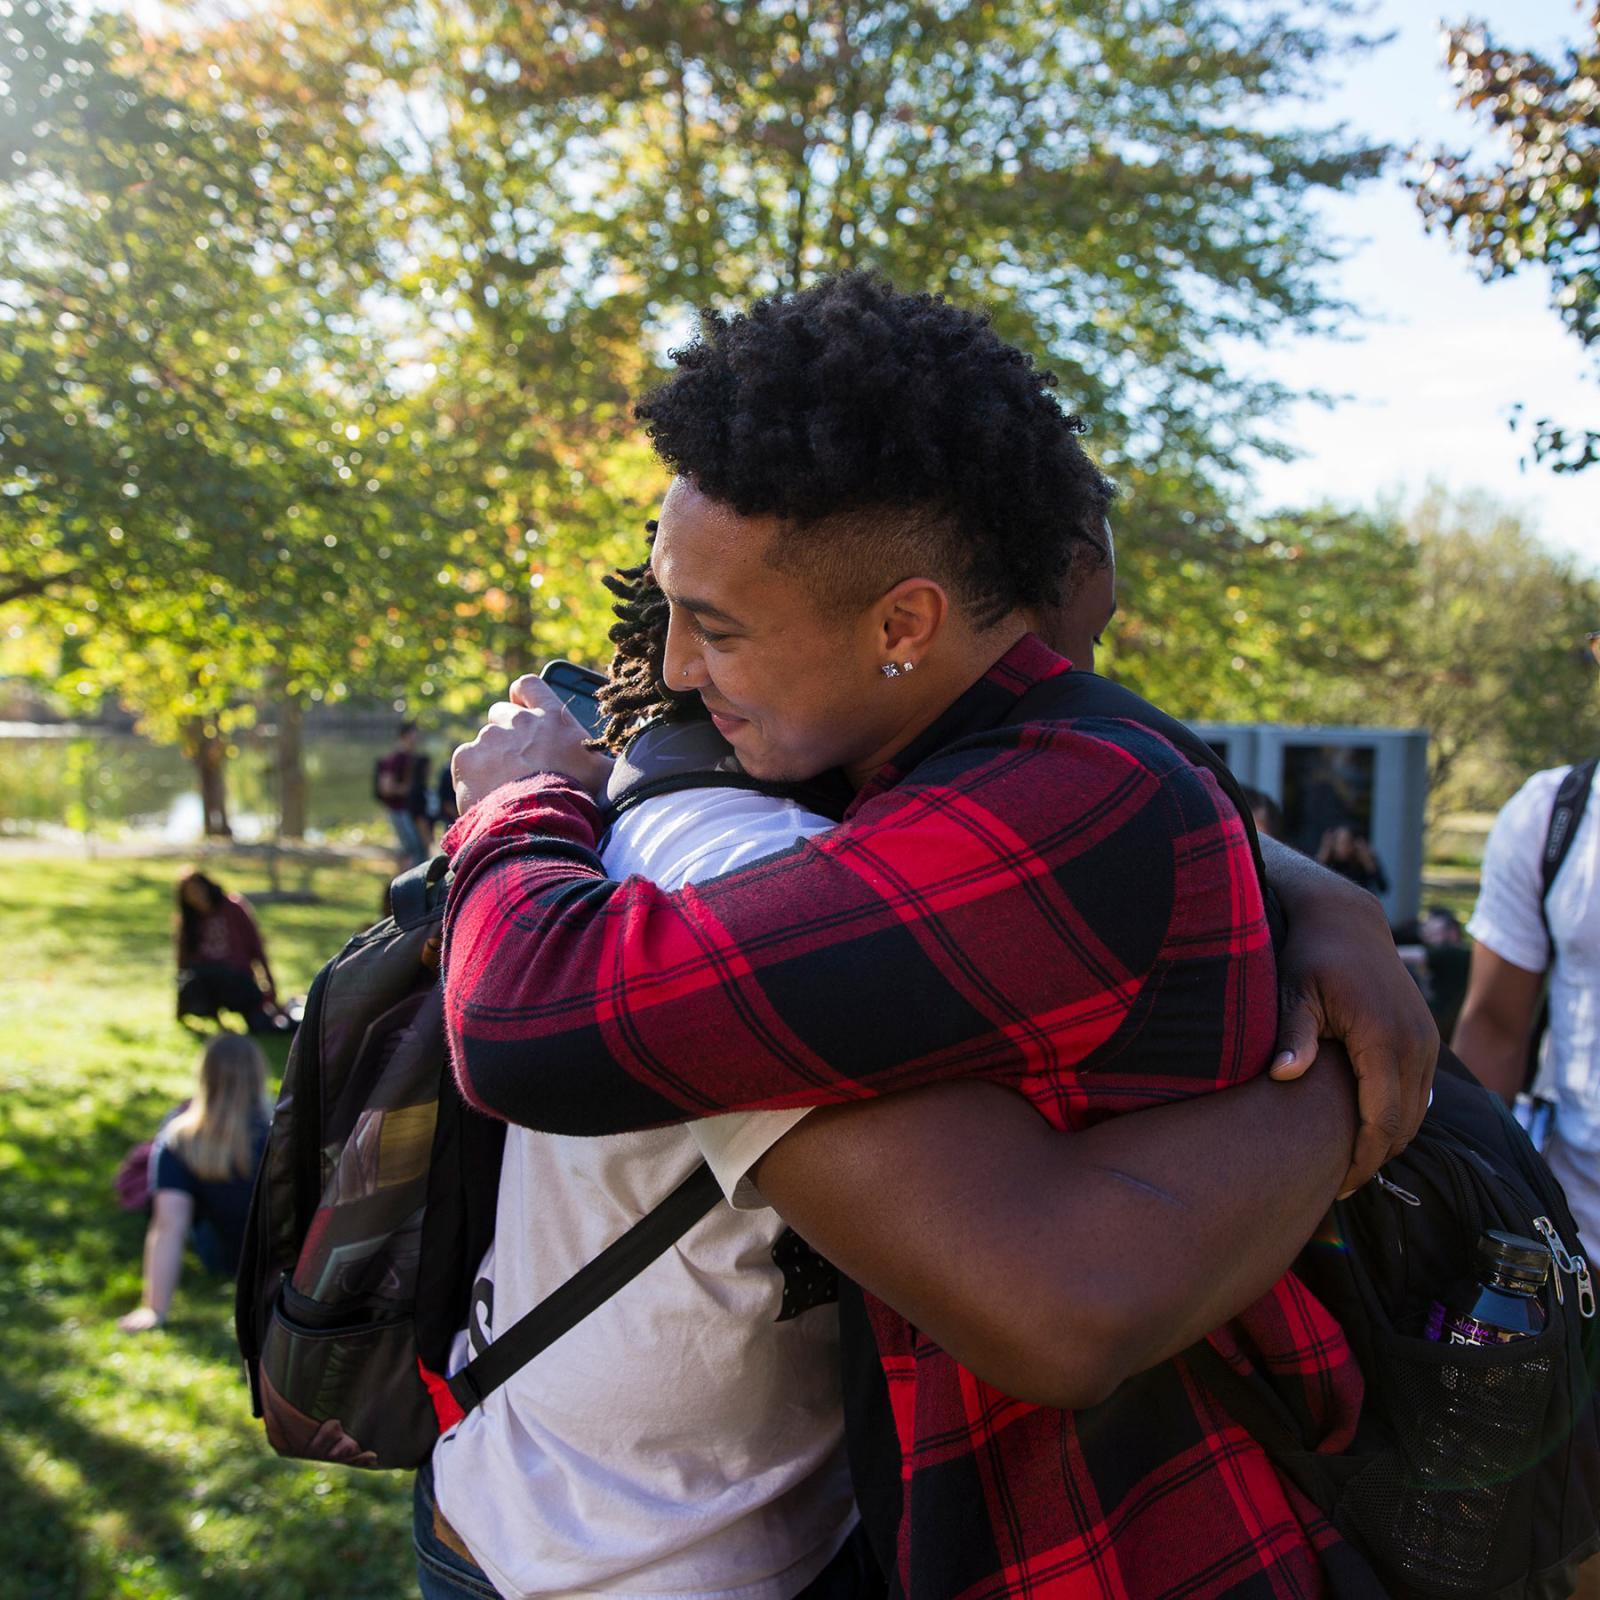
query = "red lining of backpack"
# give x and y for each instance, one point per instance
(446, 1408)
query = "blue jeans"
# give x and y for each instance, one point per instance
(441, 1573)
(406, 836)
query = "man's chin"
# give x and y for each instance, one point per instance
(772, 766)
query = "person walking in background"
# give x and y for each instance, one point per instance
(1529, 928)
(1267, 812)
(202, 1169)
(391, 788)
(222, 961)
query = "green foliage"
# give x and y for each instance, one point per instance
(132, 1466)
(1538, 203)
(1453, 618)
(325, 325)
(468, 233)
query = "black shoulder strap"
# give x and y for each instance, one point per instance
(1565, 815)
(408, 894)
(674, 782)
(587, 1289)
(1086, 694)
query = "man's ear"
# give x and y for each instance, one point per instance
(911, 617)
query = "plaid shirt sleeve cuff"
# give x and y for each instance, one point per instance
(547, 803)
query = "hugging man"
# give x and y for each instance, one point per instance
(1029, 925)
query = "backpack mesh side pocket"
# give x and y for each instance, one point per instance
(1467, 1423)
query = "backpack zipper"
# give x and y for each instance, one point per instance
(1395, 1189)
(1565, 1261)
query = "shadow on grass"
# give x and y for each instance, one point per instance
(104, 1513)
(37, 1551)
(139, 1485)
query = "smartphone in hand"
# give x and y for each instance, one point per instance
(578, 689)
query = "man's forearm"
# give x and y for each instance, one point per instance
(1251, 1174)
(1496, 1053)
(1052, 1264)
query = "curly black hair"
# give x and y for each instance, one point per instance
(891, 434)
(635, 691)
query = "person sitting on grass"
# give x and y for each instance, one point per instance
(202, 1169)
(222, 961)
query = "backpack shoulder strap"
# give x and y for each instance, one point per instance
(408, 894)
(675, 782)
(1565, 814)
(1075, 694)
(588, 1288)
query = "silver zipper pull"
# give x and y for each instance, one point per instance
(1395, 1189)
(1567, 1262)
(1580, 1270)
(1546, 1230)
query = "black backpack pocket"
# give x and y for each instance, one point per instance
(1466, 1425)
(359, 1396)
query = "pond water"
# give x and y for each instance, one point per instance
(91, 781)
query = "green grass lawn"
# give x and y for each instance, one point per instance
(131, 1466)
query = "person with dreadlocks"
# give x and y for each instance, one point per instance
(640, 1455)
(1043, 922)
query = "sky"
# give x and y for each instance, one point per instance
(1440, 356)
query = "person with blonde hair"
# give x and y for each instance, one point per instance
(202, 1168)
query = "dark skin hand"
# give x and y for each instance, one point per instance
(1340, 977)
(1055, 1266)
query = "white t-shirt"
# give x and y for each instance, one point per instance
(680, 1441)
(1506, 919)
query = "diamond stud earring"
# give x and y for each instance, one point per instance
(889, 669)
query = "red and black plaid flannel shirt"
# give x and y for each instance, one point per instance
(1068, 908)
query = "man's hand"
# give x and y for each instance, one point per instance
(531, 732)
(1340, 978)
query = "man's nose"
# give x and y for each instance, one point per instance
(682, 664)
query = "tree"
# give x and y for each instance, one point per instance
(1538, 204)
(469, 233)
(577, 177)
(200, 452)
(1102, 176)
(1453, 618)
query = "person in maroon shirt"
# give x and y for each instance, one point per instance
(873, 494)
(222, 961)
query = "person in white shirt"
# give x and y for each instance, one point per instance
(687, 1439)
(1513, 954)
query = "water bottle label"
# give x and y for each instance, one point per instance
(1443, 1328)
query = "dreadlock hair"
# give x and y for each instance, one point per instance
(635, 690)
(891, 435)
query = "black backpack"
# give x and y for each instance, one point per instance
(375, 1202)
(1475, 1471)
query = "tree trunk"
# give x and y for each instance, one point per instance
(291, 769)
(204, 747)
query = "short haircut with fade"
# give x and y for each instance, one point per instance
(892, 435)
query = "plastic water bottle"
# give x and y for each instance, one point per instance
(1477, 1422)
(1503, 1305)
